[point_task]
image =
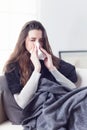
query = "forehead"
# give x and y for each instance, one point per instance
(35, 33)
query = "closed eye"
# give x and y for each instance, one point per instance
(32, 40)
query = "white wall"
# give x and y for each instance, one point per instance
(66, 23)
(13, 15)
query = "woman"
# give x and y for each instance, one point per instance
(32, 60)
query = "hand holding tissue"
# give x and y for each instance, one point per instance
(41, 55)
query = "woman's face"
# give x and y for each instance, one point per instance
(33, 39)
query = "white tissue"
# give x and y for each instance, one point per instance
(41, 56)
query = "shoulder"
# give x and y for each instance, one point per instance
(68, 70)
(13, 70)
(13, 78)
(13, 66)
(63, 65)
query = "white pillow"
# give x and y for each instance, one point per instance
(82, 77)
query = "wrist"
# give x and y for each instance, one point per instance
(37, 69)
(52, 68)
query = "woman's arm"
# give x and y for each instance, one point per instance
(66, 71)
(22, 94)
(28, 90)
(62, 79)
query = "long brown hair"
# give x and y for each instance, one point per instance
(22, 56)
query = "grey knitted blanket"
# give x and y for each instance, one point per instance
(56, 107)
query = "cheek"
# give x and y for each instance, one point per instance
(29, 46)
(41, 45)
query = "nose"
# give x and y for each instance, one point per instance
(37, 44)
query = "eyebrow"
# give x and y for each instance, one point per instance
(32, 37)
(35, 38)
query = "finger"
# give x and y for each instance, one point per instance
(36, 50)
(44, 51)
(31, 51)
